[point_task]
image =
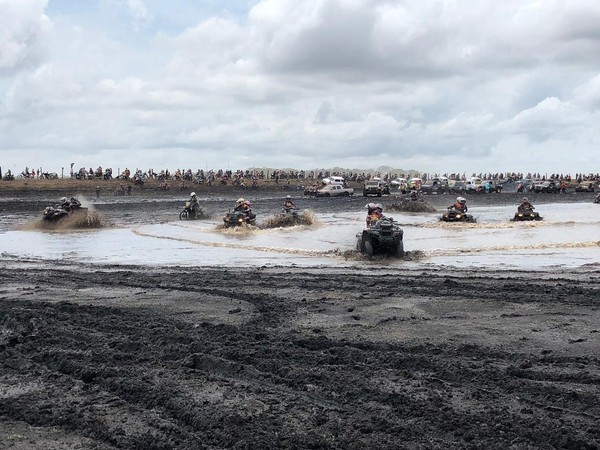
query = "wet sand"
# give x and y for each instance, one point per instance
(114, 356)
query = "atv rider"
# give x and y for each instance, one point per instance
(460, 205)
(289, 203)
(374, 213)
(63, 203)
(525, 205)
(194, 203)
(239, 205)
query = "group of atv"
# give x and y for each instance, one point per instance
(243, 215)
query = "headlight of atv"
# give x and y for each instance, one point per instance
(458, 216)
(520, 215)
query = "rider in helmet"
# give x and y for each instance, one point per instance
(288, 203)
(525, 205)
(64, 203)
(239, 204)
(194, 202)
(374, 213)
(460, 205)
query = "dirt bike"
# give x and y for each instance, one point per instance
(380, 237)
(191, 213)
(525, 215)
(453, 215)
(238, 218)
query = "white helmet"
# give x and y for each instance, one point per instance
(193, 194)
(240, 200)
(461, 200)
(63, 199)
(288, 196)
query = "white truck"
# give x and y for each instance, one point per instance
(335, 190)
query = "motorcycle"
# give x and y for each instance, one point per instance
(526, 215)
(452, 215)
(238, 218)
(191, 213)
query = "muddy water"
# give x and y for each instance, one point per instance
(569, 236)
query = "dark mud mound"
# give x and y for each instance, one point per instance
(306, 217)
(411, 206)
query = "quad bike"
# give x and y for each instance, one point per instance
(452, 215)
(191, 213)
(55, 213)
(381, 237)
(526, 215)
(290, 214)
(237, 218)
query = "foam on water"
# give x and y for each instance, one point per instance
(569, 236)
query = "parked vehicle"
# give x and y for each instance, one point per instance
(436, 186)
(376, 187)
(457, 187)
(400, 184)
(334, 190)
(547, 187)
(585, 186)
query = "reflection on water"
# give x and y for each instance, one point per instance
(569, 236)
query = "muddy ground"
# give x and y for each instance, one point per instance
(104, 357)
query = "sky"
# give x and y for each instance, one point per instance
(434, 86)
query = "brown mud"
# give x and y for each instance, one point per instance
(305, 218)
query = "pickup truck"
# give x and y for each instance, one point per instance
(335, 190)
(376, 187)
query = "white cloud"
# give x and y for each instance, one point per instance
(311, 83)
(23, 27)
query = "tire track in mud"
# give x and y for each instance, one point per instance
(326, 380)
(267, 383)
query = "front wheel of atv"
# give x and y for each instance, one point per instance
(368, 247)
(400, 249)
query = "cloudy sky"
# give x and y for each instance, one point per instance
(456, 85)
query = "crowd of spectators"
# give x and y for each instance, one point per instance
(252, 176)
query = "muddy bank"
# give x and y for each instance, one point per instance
(132, 357)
